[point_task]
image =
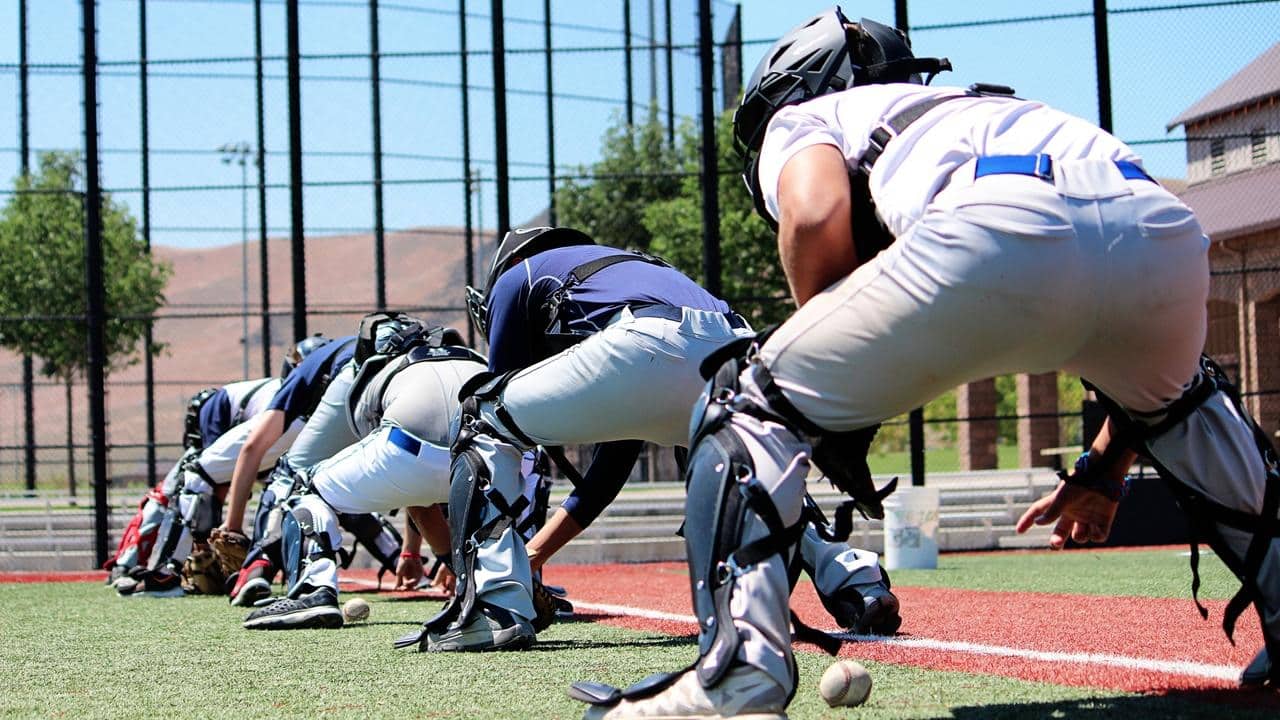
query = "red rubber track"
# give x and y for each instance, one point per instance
(1147, 628)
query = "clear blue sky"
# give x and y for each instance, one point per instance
(1161, 63)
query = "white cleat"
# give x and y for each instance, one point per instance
(744, 692)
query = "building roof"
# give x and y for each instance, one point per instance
(1256, 81)
(1237, 204)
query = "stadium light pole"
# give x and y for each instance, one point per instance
(238, 154)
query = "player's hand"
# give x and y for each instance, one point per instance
(409, 572)
(443, 581)
(1081, 514)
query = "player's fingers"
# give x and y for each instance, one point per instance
(1033, 513)
(1081, 532)
(1058, 538)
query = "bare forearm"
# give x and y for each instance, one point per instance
(433, 527)
(267, 431)
(558, 531)
(412, 538)
(1120, 464)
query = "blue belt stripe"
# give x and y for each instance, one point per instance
(1041, 166)
(404, 441)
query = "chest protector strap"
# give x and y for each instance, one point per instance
(1204, 514)
(870, 235)
(370, 378)
(558, 335)
(244, 402)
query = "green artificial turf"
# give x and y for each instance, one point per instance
(1141, 573)
(76, 650)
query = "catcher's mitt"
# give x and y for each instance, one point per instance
(201, 574)
(230, 549)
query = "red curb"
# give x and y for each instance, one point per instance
(60, 576)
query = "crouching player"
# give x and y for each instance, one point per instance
(176, 516)
(588, 344)
(400, 404)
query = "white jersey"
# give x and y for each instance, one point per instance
(918, 163)
(258, 393)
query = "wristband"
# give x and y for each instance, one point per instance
(406, 555)
(1095, 480)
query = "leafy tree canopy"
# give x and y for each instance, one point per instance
(646, 195)
(43, 300)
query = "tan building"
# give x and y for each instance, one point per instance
(1233, 184)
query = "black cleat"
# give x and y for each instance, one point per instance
(1258, 672)
(317, 609)
(491, 628)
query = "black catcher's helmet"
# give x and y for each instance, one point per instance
(300, 351)
(517, 245)
(826, 54)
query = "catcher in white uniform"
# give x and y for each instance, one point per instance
(399, 404)
(990, 235)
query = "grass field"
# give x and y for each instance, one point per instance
(74, 649)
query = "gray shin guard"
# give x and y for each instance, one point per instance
(488, 555)
(188, 517)
(310, 545)
(746, 485)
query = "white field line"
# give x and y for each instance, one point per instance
(1169, 667)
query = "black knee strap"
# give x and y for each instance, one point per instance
(1204, 515)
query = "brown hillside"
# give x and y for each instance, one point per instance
(424, 268)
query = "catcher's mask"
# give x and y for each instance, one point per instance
(517, 245)
(826, 54)
(298, 352)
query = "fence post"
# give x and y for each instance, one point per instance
(915, 419)
(671, 92)
(264, 277)
(710, 154)
(1102, 48)
(627, 69)
(551, 116)
(379, 231)
(296, 227)
(94, 280)
(467, 233)
(500, 116)
(148, 360)
(24, 162)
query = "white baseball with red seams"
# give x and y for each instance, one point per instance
(845, 683)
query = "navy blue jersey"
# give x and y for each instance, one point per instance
(303, 388)
(215, 416)
(518, 319)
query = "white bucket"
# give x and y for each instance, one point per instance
(911, 528)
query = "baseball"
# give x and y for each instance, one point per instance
(846, 682)
(356, 609)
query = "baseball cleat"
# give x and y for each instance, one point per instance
(317, 609)
(252, 584)
(880, 616)
(744, 693)
(545, 607)
(864, 609)
(152, 584)
(1258, 672)
(491, 628)
(251, 592)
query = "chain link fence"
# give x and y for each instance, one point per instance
(385, 176)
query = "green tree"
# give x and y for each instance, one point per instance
(644, 194)
(608, 200)
(42, 252)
